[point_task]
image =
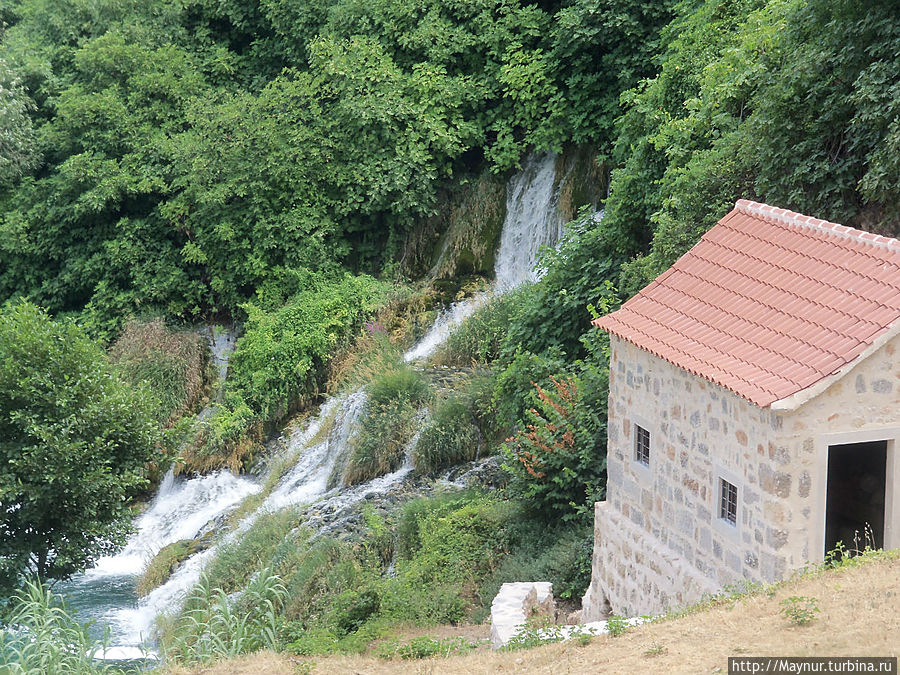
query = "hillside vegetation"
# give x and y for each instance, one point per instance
(328, 175)
(857, 616)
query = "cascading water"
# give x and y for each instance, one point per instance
(179, 511)
(185, 507)
(532, 221)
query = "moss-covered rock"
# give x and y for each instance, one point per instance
(169, 558)
(584, 180)
(472, 232)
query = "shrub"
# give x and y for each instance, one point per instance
(560, 555)
(229, 436)
(277, 362)
(352, 608)
(556, 461)
(616, 625)
(459, 547)
(415, 511)
(799, 610)
(172, 364)
(316, 572)
(425, 647)
(449, 437)
(76, 444)
(514, 385)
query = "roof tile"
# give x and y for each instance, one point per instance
(768, 302)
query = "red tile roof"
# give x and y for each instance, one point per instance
(768, 303)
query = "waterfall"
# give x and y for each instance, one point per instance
(309, 477)
(532, 222)
(184, 508)
(180, 510)
(444, 324)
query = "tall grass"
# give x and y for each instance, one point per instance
(449, 437)
(480, 338)
(213, 626)
(171, 363)
(42, 637)
(273, 539)
(389, 422)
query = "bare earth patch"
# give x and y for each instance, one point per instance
(859, 616)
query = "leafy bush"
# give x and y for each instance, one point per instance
(415, 511)
(559, 553)
(800, 610)
(556, 461)
(424, 647)
(388, 424)
(76, 445)
(228, 436)
(279, 358)
(459, 547)
(449, 437)
(616, 625)
(513, 387)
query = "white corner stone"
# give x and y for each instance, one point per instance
(514, 604)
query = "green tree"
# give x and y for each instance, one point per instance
(17, 145)
(74, 443)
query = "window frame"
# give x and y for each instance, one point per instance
(728, 500)
(637, 455)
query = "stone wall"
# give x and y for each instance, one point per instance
(645, 575)
(864, 405)
(701, 432)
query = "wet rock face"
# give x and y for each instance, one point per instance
(485, 473)
(342, 515)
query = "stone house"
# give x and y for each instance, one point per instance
(754, 412)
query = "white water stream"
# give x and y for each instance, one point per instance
(183, 508)
(532, 222)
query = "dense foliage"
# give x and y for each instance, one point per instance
(295, 322)
(74, 444)
(190, 149)
(791, 102)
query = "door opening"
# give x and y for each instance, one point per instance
(854, 511)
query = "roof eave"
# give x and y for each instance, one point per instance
(794, 401)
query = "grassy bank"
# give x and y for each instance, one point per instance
(857, 615)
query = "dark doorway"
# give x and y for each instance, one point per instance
(854, 509)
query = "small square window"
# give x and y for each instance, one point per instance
(641, 445)
(728, 502)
